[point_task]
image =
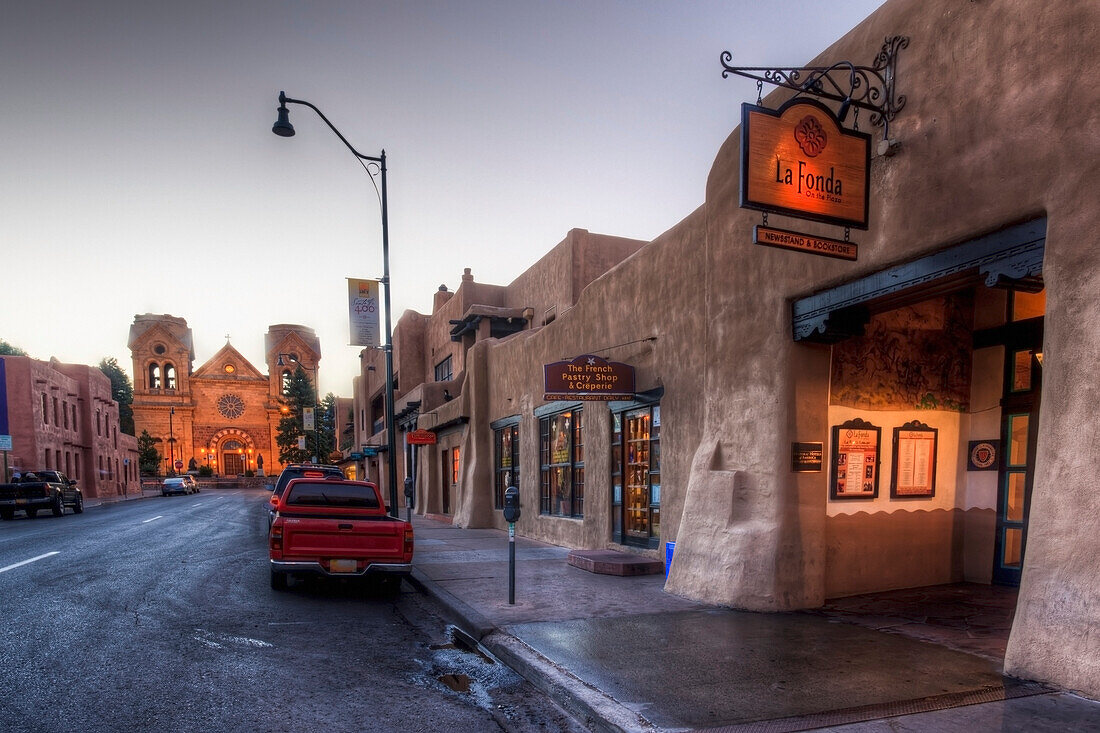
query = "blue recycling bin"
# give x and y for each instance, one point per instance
(670, 547)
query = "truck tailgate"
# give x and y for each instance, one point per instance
(378, 540)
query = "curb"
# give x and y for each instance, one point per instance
(588, 705)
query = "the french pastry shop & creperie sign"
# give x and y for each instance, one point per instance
(798, 161)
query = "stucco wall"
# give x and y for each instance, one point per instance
(998, 127)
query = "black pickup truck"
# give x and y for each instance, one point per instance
(36, 490)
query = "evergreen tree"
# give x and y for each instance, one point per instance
(298, 394)
(148, 455)
(122, 390)
(7, 349)
(328, 425)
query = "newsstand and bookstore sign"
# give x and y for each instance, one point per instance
(588, 377)
(799, 161)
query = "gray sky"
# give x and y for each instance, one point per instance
(140, 173)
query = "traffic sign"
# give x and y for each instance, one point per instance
(179, 465)
(5, 442)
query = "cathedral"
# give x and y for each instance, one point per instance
(224, 414)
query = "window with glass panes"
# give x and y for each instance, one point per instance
(561, 458)
(636, 476)
(507, 462)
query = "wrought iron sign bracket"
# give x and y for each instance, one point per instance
(863, 87)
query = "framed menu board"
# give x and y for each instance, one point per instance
(913, 470)
(855, 464)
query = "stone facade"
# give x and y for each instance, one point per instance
(63, 417)
(730, 385)
(225, 413)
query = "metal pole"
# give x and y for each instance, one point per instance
(511, 563)
(390, 443)
(171, 441)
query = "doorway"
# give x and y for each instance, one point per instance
(1023, 346)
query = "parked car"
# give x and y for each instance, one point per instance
(36, 490)
(175, 485)
(191, 482)
(299, 470)
(337, 528)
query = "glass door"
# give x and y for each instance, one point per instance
(1019, 423)
(641, 477)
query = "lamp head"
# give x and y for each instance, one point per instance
(282, 126)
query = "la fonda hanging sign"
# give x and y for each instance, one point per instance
(799, 161)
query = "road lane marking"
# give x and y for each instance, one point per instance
(25, 562)
(153, 519)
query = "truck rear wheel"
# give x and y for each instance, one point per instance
(78, 507)
(278, 580)
(58, 505)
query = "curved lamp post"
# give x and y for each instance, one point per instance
(283, 128)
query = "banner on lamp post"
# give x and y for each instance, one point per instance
(363, 312)
(307, 419)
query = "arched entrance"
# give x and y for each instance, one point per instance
(234, 452)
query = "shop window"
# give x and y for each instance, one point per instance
(636, 475)
(561, 458)
(507, 462)
(443, 371)
(169, 376)
(68, 464)
(48, 466)
(454, 466)
(76, 466)
(57, 459)
(154, 376)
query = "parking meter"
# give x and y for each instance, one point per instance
(511, 504)
(410, 492)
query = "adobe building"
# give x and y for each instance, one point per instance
(62, 417)
(918, 411)
(226, 413)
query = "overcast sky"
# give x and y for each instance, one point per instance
(140, 174)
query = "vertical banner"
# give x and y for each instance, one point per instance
(307, 419)
(363, 312)
(3, 400)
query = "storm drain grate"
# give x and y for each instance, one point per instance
(878, 711)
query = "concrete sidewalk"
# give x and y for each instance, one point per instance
(621, 654)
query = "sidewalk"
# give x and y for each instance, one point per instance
(621, 654)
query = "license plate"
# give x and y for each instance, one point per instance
(341, 566)
(20, 501)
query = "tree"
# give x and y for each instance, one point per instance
(7, 349)
(148, 455)
(122, 390)
(328, 426)
(298, 394)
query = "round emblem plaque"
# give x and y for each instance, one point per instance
(983, 455)
(230, 406)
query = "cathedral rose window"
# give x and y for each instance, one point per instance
(230, 406)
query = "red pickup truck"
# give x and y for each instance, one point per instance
(337, 528)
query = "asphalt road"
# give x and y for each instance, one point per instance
(157, 615)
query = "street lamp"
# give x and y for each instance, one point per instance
(283, 128)
(316, 399)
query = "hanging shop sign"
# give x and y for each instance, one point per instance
(588, 377)
(784, 239)
(799, 161)
(856, 449)
(420, 437)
